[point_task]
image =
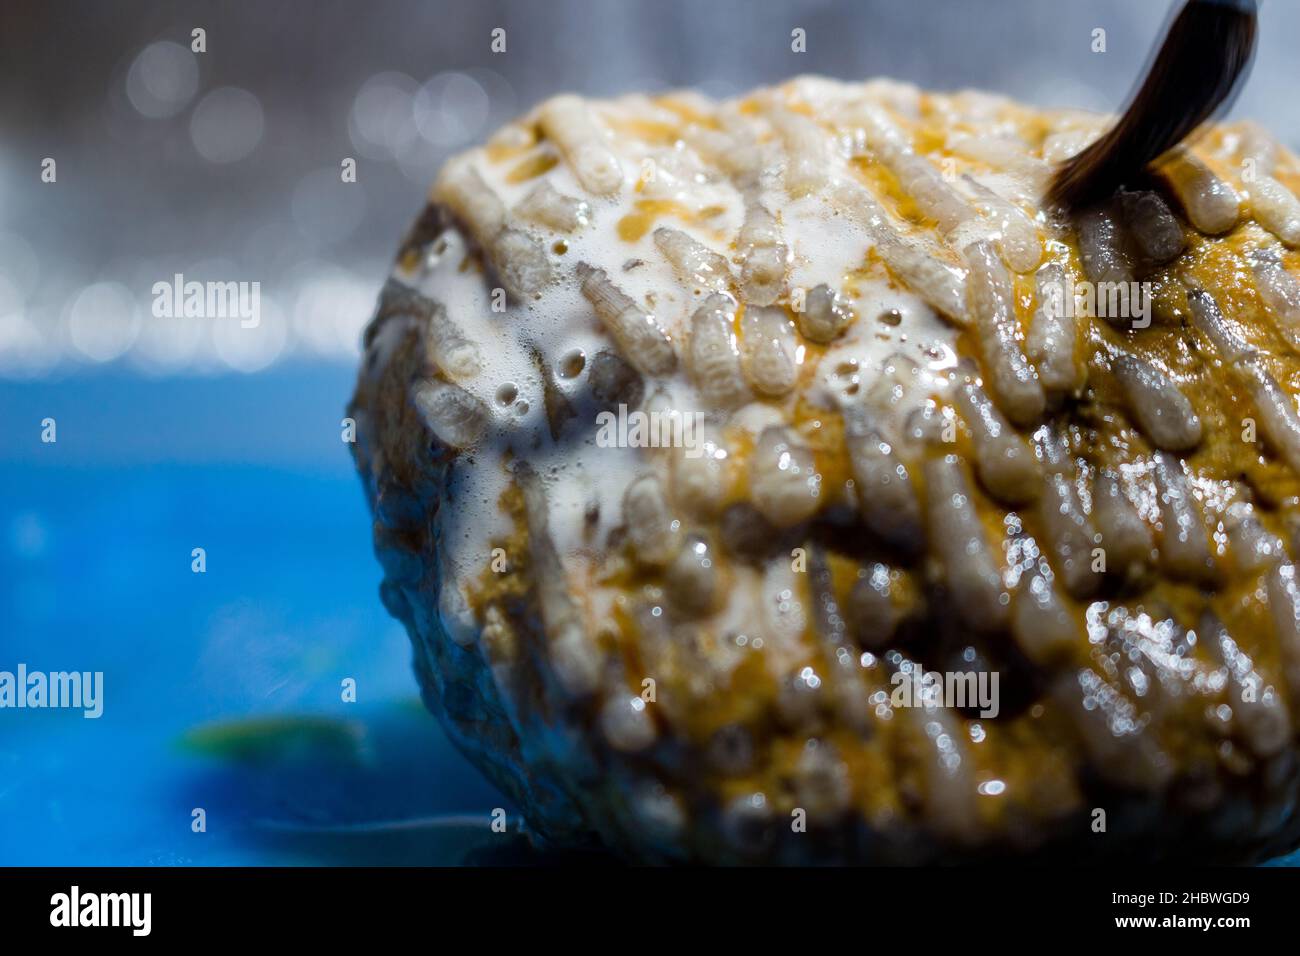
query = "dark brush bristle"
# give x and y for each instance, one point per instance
(1198, 68)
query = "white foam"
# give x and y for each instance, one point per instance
(582, 479)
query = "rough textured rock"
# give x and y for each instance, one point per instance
(695, 431)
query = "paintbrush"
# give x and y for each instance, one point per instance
(1195, 73)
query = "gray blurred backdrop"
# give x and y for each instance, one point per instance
(225, 164)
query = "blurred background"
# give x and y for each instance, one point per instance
(222, 689)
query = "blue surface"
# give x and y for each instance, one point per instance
(96, 532)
